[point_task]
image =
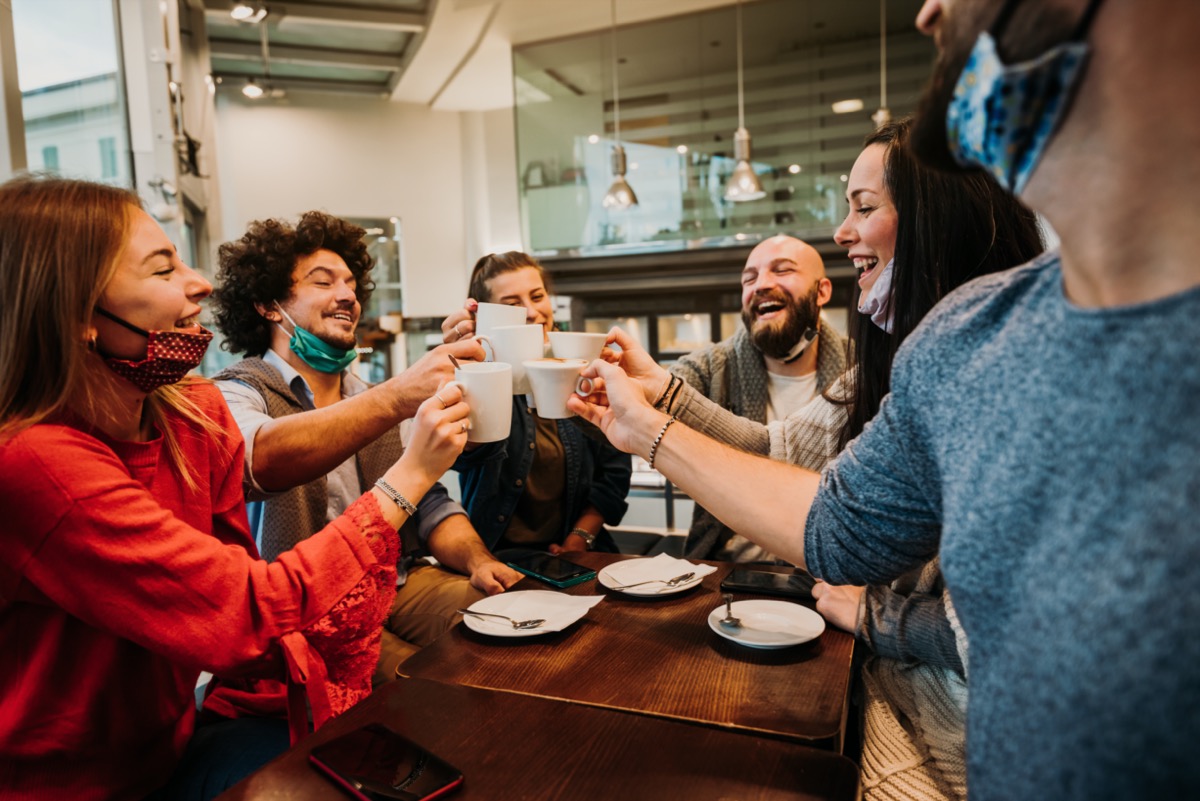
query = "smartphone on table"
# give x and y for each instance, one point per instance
(764, 582)
(375, 763)
(554, 570)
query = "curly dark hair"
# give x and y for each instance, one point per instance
(258, 269)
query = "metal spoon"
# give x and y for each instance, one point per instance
(729, 621)
(516, 624)
(457, 366)
(673, 582)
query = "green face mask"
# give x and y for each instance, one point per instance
(314, 351)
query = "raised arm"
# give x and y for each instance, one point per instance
(745, 492)
(296, 449)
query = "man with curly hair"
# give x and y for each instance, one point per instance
(316, 435)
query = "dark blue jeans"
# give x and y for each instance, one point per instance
(221, 754)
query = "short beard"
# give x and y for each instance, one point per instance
(776, 340)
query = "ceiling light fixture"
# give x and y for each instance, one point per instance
(883, 115)
(620, 195)
(253, 90)
(248, 12)
(743, 183)
(847, 106)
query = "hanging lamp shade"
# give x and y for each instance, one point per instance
(620, 195)
(743, 183)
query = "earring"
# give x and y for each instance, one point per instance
(91, 344)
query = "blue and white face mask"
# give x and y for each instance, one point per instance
(1003, 116)
(876, 302)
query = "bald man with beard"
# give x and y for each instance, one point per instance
(784, 356)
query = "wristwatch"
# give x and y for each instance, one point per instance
(588, 537)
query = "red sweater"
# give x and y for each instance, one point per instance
(118, 585)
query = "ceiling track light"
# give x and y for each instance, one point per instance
(743, 184)
(620, 195)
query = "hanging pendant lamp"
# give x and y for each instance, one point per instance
(620, 195)
(884, 114)
(743, 183)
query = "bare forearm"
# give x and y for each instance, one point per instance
(456, 545)
(299, 448)
(765, 501)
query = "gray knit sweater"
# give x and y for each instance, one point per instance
(1050, 453)
(733, 375)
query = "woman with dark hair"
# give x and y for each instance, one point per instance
(914, 234)
(552, 485)
(126, 561)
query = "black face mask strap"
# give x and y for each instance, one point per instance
(119, 321)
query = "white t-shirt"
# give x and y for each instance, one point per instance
(786, 394)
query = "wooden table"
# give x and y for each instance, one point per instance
(512, 747)
(657, 656)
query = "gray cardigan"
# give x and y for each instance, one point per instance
(733, 375)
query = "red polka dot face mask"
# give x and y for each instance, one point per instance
(170, 355)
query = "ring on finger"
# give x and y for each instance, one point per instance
(441, 400)
(458, 333)
(465, 426)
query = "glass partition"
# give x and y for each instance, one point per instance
(73, 95)
(679, 110)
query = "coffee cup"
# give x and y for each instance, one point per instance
(576, 345)
(514, 344)
(552, 382)
(487, 389)
(489, 316)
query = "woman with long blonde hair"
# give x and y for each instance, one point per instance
(126, 563)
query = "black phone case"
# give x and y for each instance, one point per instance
(794, 585)
(375, 763)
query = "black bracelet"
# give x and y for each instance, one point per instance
(666, 390)
(674, 395)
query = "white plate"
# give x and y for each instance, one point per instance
(607, 579)
(769, 624)
(558, 609)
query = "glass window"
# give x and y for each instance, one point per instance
(72, 90)
(684, 333)
(108, 157)
(637, 327)
(49, 158)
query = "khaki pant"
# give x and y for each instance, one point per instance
(423, 610)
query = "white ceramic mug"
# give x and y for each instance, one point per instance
(514, 344)
(487, 389)
(552, 382)
(490, 316)
(576, 344)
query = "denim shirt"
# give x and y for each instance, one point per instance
(492, 477)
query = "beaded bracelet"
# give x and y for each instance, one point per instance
(396, 497)
(658, 439)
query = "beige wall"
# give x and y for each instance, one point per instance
(448, 176)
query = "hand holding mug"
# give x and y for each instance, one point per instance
(438, 434)
(460, 324)
(618, 408)
(639, 365)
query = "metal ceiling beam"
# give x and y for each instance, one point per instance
(334, 14)
(313, 56)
